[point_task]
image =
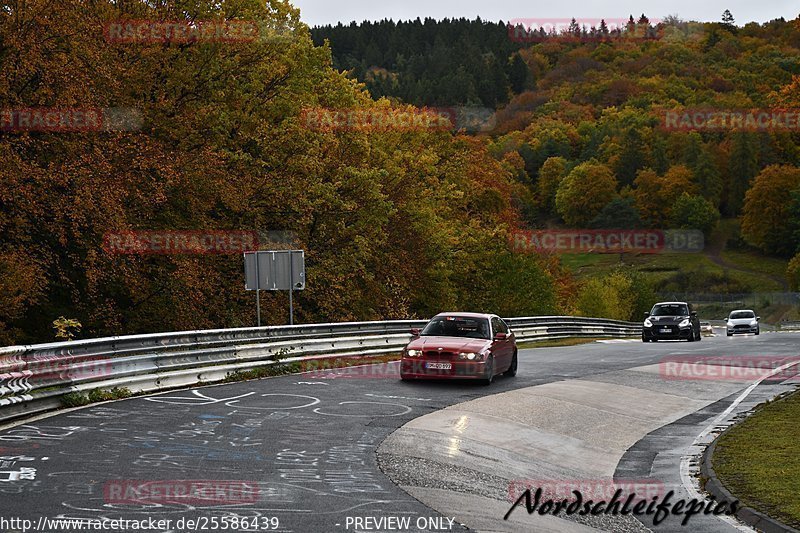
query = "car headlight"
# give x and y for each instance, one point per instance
(470, 356)
(730, 324)
(648, 323)
(414, 353)
(753, 323)
(685, 323)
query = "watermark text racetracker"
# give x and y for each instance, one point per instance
(189, 492)
(180, 31)
(180, 242)
(607, 241)
(537, 30)
(753, 120)
(771, 368)
(70, 119)
(390, 119)
(595, 489)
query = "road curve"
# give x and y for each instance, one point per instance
(576, 432)
(305, 446)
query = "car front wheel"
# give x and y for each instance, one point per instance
(489, 372)
(512, 369)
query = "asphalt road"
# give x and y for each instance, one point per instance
(292, 453)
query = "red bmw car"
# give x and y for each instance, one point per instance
(461, 346)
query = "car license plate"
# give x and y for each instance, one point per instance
(665, 330)
(439, 366)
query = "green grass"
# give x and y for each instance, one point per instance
(773, 266)
(653, 265)
(758, 460)
(589, 263)
(658, 268)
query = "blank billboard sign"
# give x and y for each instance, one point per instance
(279, 270)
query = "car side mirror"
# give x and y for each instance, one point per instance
(415, 332)
(694, 313)
(646, 314)
(500, 336)
(758, 318)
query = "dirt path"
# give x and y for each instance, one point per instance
(714, 253)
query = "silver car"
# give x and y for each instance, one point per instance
(743, 321)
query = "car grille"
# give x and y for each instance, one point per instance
(674, 331)
(436, 354)
(742, 326)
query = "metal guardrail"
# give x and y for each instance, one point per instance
(35, 378)
(734, 300)
(789, 326)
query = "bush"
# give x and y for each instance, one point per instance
(793, 273)
(66, 328)
(621, 295)
(702, 281)
(694, 212)
(74, 399)
(117, 393)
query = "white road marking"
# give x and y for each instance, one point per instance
(696, 449)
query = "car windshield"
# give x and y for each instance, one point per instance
(742, 314)
(670, 310)
(457, 326)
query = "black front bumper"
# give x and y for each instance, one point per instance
(675, 333)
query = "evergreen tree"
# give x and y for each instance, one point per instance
(632, 158)
(619, 213)
(742, 168)
(517, 74)
(603, 30)
(727, 18)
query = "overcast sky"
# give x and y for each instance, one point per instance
(316, 12)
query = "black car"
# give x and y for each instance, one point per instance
(671, 321)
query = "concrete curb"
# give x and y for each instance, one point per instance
(748, 515)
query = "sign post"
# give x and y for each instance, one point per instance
(258, 298)
(291, 292)
(275, 270)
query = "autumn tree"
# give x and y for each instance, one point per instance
(584, 192)
(395, 223)
(766, 217)
(655, 195)
(694, 212)
(550, 175)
